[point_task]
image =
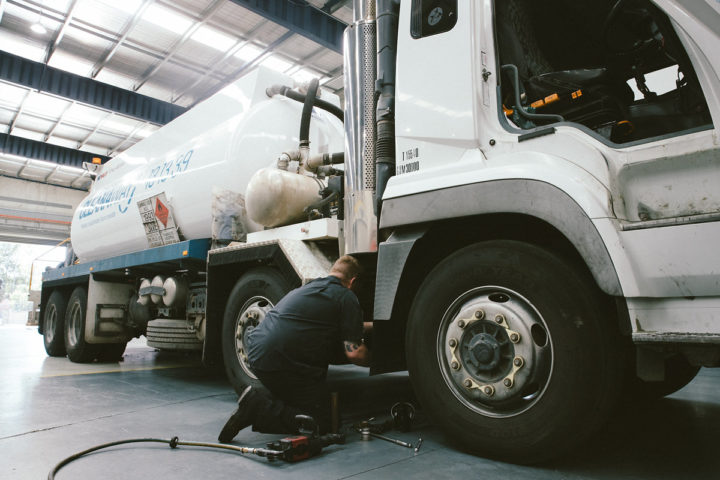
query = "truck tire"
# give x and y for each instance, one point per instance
(513, 351)
(78, 350)
(678, 373)
(54, 324)
(254, 294)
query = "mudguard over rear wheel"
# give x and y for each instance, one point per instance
(254, 294)
(513, 351)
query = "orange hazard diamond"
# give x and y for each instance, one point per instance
(161, 212)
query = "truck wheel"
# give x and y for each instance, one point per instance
(254, 294)
(54, 324)
(678, 373)
(513, 351)
(78, 350)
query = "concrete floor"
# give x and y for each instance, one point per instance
(51, 408)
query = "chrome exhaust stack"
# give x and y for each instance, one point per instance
(360, 130)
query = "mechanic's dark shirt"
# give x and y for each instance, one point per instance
(305, 330)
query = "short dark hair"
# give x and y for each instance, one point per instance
(347, 267)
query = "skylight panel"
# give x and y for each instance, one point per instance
(248, 53)
(71, 63)
(19, 46)
(275, 63)
(11, 95)
(45, 105)
(213, 38)
(127, 6)
(167, 19)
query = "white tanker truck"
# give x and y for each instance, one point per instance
(540, 239)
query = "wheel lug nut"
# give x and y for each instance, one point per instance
(514, 337)
(489, 390)
(508, 382)
(518, 361)
(455, 365)
(479, 314)
(499, 318)
(452, 343)
(461, 323)
(468, 383)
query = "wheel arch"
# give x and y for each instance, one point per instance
(531, 211)
(65, 286)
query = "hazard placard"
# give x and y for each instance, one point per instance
(158, 222)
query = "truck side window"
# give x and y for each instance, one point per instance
(577, 61)
(430, 17)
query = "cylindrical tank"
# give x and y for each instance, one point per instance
(176, 290)
(158, 281)
(277, 197)
(217, 145)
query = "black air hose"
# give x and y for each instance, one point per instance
(307, 113)
(299, 97)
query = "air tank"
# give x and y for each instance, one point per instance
(215, 147)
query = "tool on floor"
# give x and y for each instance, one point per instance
(305, 445)
(401, 416)
(366, 434)
(290, 449)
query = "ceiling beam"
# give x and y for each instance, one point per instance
(267, 51)
(302, 18)
(61, 33)
(220, 60)
(23, 147)
(126, 31)
(332, 6)
(40, 77)
(205, 17)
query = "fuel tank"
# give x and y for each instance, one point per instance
(216, 146)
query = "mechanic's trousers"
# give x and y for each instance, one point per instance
(290, 395)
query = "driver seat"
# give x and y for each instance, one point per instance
(585, 95)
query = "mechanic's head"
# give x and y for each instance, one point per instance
(347, 269)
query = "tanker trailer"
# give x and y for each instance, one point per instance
(142, 234)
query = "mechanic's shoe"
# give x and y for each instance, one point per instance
(242, 417)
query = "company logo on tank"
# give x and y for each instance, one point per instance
(121, 195)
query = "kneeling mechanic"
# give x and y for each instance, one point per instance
(290, 350)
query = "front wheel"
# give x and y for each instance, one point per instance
(254, 294)
(513, 351)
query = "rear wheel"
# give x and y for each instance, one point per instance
(54, 324)
(511, 350)
(78, 350)
(254, 294)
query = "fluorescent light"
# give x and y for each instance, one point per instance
(38, 28)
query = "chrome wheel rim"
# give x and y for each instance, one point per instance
(495, 351)
(75, 324)
(251, 314)
(50, 323)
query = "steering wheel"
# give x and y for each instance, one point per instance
(646, 32)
